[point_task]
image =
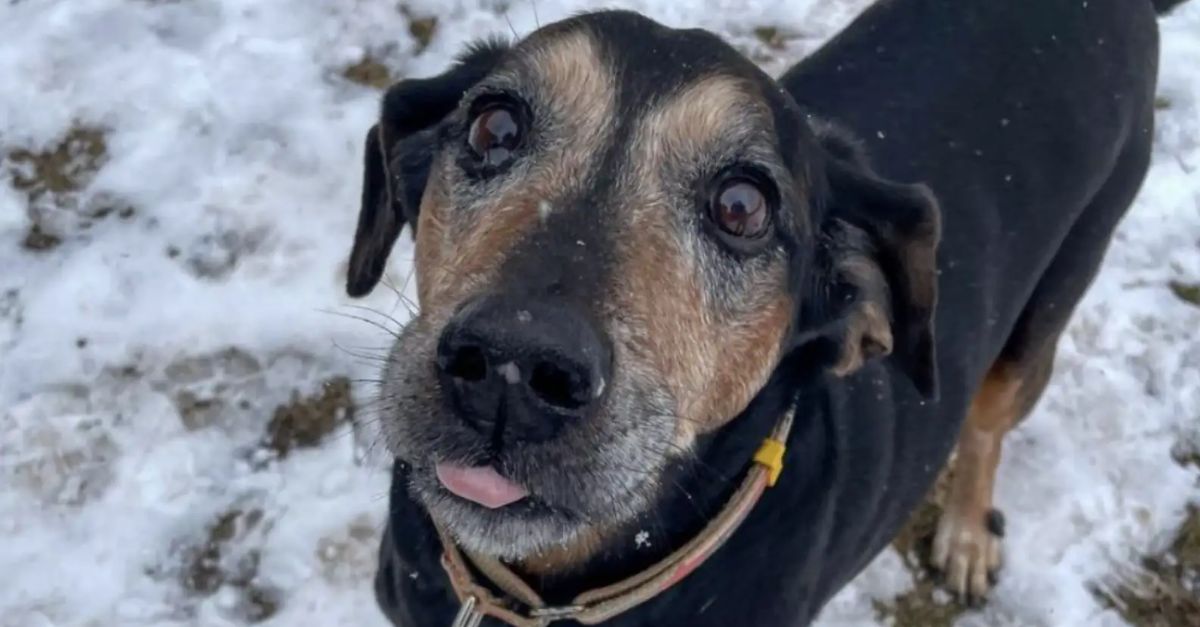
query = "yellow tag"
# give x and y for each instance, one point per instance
(770, 454)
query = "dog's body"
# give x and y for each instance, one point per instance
(1031, 125)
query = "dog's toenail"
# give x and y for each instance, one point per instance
(995, 522)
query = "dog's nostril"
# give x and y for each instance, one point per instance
(558, 386)
(467, 363)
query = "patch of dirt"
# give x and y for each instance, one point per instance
(305, 421)
(1164, 590)
(12, 316)
(926, 604)
(1186, 451)
(66, 167)
(421, 27)
(61, 451)
(215, 389)
(230, 362)
(771, 37)
(103, 206)
(38, 240)
(197, 412)
(369, 73)
(214, 256)
(916, 538)
(275, 403)
(1187, 292)
(204, 572)
(1162, 103)
(216, 562)
(10, 303)
(768, 46)
(54, 181)
(69, 473)
(351, 555)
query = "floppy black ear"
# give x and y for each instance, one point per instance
(397, 157)
(877, 271)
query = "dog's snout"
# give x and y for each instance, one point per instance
(521, 370)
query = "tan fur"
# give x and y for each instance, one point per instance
(661, 296)
(430, 247)
(456, 256)
(964, 548)
(749, 349)
(578, 95)
(993, 412)
(564, 558)
(715, 109)
(712, 361)
(868, 326)
(575, 83)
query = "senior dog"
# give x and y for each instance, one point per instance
(676, 360)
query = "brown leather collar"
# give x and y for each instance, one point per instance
(509, 599)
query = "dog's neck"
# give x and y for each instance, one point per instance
(602, 558)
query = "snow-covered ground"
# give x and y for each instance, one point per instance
(179, 311)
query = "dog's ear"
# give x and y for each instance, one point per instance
(876, 270)
(397, 157)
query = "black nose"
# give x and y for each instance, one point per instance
(522, 369)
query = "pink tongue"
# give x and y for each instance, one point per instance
(481, 484)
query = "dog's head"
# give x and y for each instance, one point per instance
(621, 229)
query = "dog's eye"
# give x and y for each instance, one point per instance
(739, 208)
(494, 135)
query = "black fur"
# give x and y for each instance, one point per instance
(1165, 6)
(1030, 123)
(396, 159)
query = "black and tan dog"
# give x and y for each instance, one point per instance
(637, 256)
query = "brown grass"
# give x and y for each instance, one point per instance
(421, 27)
(368, 73)
(1164, 590)
(924, 605)
(207, 569)
(65, 167)
(54, 175)
(1187, 292)
(771, 37)
(304, 422)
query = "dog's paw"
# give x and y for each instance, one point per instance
(966, 553)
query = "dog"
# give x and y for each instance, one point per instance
(713, 334)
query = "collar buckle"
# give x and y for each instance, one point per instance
(467, 615)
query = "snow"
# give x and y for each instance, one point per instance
(231, 133)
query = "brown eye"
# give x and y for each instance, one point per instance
(494, 135)
(740, 208)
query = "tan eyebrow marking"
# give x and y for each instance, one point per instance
(687, 125)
